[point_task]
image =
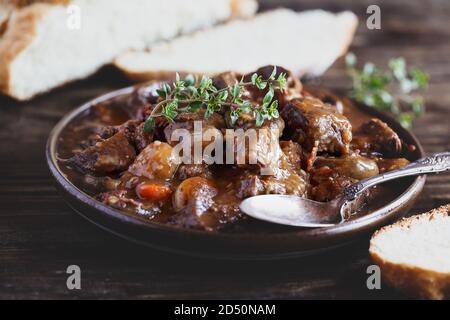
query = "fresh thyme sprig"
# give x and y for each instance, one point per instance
(193, 94)
(390, 91)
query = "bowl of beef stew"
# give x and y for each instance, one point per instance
(120, 173)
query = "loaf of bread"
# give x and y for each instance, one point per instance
(41, 47)
(414, 254)
(305, 42)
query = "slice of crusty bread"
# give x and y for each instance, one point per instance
(414, 254)
(306, 42)
(38, 51)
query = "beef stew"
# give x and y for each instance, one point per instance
(322, 147)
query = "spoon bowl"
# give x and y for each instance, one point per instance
(301, 212)
(292, 211)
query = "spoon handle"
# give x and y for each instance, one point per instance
(439, 162)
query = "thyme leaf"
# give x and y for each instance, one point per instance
(394, 90)
(193, 94)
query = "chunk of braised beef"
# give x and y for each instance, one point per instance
(294, 154)
(287, 182)
(129, 128)
(283, 182)
(314, 124)
(133, 130)
(250, 185)
(286, 178)
(263, 152)
(327, 184)
(376, 137)
(253, 145)
(186, 171)
(108, 131)
(188, 120)
(141, 138)
(107, 156)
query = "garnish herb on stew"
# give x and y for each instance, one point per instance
(193, 93)
(394, 90)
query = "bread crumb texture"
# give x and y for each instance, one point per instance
(414, 254)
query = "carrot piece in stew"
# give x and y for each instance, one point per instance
(153, 191)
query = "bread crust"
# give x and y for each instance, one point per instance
(147, 74)
(349, 36)
(243, 8)
(20, 33)
(412, 280)
(9, 6)
(25, 3)
(19, 27)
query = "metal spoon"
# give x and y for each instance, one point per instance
(301, 212)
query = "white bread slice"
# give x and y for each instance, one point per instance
(38, 51)
(306, 42)
(414, 254)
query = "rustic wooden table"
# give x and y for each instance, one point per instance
(40, 235)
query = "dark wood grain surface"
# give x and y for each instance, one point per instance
(40, 236)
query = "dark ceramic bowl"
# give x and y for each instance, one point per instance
(245, 245)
